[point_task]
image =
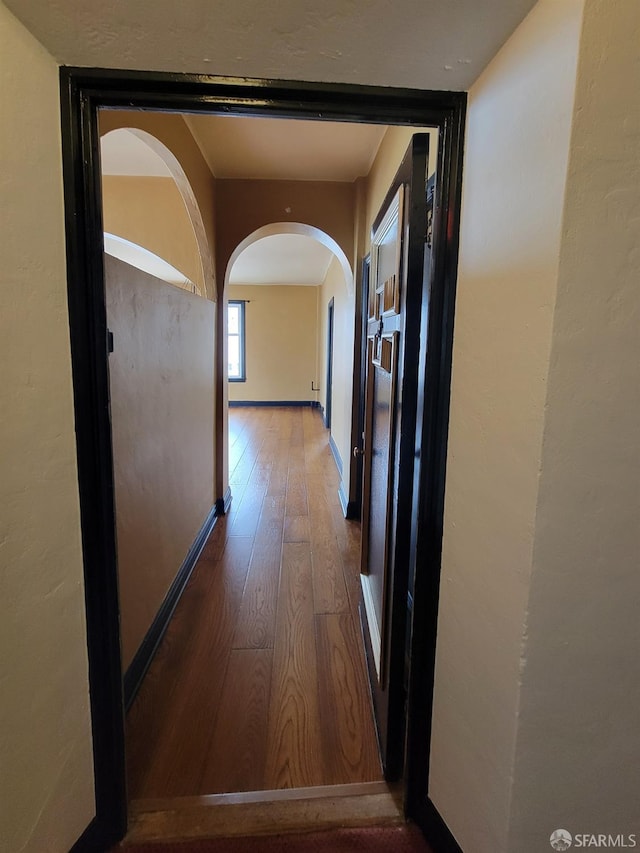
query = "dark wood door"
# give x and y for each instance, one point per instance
(329, 386)
(394, 309)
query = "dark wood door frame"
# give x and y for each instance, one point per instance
(354, 506)
(83, 93)
(328, 402)
(397, 325)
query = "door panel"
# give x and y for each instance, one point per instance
(382, 367)
(393, 338)
(328, 403)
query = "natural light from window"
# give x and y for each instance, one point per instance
(235, 342)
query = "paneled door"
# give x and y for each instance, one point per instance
(395, 302)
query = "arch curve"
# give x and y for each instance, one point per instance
(293, 228)
(188, 196)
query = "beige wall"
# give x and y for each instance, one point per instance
(334, 286)
(199, 186)
(281, 335)
(46, 765)
(385, 165)
(517, 148)
(576, 762)
(46, 800)
(150, 212)
(243, 206)
(162, 386)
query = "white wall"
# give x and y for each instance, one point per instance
(46, 770)
(578, 741)
(517, 148)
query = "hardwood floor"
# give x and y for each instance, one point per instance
(260, 681)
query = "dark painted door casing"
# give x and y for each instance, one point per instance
(396, 287)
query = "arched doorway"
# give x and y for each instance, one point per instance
(135, 153)
(295, 253)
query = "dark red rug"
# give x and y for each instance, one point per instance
(373, 839)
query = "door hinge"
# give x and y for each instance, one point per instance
(109, 341)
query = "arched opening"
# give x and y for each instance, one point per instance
(293, 228)
(172, 225)
(293, 286)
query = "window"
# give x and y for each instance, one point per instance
(235, 342)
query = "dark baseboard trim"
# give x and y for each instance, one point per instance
(336, 454)
(88, 840)
(143, 657)
(293, 403)
(344, 503)
(97, 837)
(223, 504)
(352, 511)
(434, 829)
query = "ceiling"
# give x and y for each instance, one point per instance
(427, 44)
(280, 149)
(282, 259)
(238, 147)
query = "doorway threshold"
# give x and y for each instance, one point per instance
(256, 813)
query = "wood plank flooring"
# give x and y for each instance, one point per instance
(274, 813)
(260, 682)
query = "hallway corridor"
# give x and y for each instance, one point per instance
(260, 682)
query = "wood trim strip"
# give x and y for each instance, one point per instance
(432, 431)
(359, 789)
(265, 818)
(89, 360)
(149, 646)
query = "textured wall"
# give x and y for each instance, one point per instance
(578, 742)
(433, 44)
(46, 764)
(245, 39)
(517, 150)
(161, 374)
